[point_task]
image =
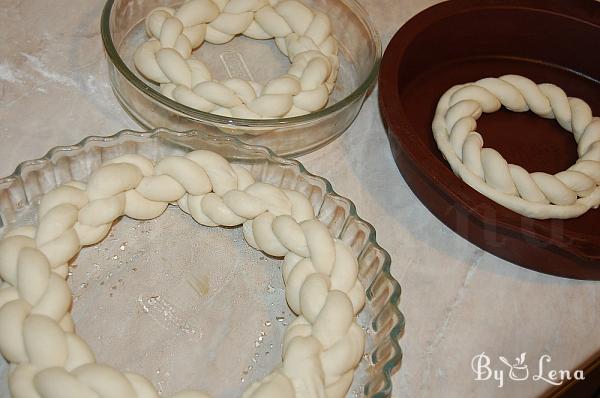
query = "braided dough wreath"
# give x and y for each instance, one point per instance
(321, 348)
(567, 194)
(303, 35)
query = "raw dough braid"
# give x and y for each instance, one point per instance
(322, 347)
(303, 35)
(566, 194)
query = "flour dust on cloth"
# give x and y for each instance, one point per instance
(322, 346)
(566, 194)
(302, 34)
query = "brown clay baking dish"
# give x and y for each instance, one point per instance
(461, 41)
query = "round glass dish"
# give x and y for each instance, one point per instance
(194, 307)
(122, 29)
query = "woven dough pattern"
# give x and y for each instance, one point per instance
(300, 33)
(566, 194)
(322, 347)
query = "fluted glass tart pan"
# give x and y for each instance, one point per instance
(189, 306)
(122, 29)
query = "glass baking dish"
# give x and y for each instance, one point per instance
(168, 298)
(122, 29)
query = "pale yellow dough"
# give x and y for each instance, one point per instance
(322, 346)
(566, 194)
(302, 34)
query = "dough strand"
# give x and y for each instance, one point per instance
(566, 194)
(302, 34)
(322, 346)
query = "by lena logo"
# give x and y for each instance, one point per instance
(483, 368)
